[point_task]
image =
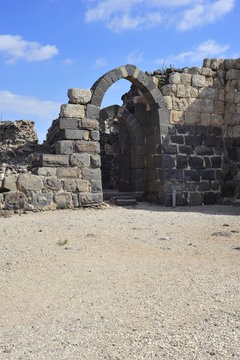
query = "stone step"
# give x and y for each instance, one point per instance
(125, 201)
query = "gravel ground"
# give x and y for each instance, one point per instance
(121, 283)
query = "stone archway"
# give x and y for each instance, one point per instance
(151, 149)
(135, 152)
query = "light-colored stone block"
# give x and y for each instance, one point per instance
(72, 111)
(29, 182)
(175, 78)
(79, 96)
(176, 117)
(198, 81)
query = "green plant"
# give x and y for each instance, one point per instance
(62, 242)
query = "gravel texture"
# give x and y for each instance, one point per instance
(121, 283)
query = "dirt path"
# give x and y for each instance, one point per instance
(143, 283)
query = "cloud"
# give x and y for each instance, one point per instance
(67, 62)
(135, 57)
(14, 48)
(120, 15)
(28, 106)
(207, 49)
(202, 14)
(100, 62)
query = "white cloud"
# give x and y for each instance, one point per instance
(135, 57)
(119, 15)
(27, 106)
(100, 62)
(202, 14)
(14, 48)
(207, 49)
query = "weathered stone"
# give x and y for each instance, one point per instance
(175, 78)
(173, 174)
(29, 182)
(43, 200)
(87, 146)
(67, 172)
(95, 135)
(52, 183)
(91, 174)
(72, 111)
(192, 117)
(182, 162)
(177, 139)
(203, 150)
(64, 147)
(191, 175)
(90, 199)
(186, 79)
(208, 175)
(193, 140)
(216, 161)
(96, 186)
(176, 117)
(68, 123)
(80, 160)
(46, 171)
(208, 93)
(168, 90)
(95, 161)
(195, 199)
(79, 96)
(82, 185)
(92, 111)
(75, 200)
(14, 200)
(196, 162)
(186, 150)
(73, 134)
(89, 124)
(10, 182)
(69, 185)
(204, 185)
(54, 160)
(233, 74)
(207, 72)
(210, 198)
(168, 162)
(198, 81)
(180, 104)
(63, 200)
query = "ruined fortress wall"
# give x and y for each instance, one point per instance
(198, 156)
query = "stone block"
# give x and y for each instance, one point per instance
(192, 117)
(186, 79)
(206, 71)
(169, 149)
(96, 186)
(87, 146)
(195, 199)
(215, 185)
(204, 185)
(46, 171)
(54, 160)
(85, 135)
(210, 198)
(177, 139)
(91, 174)
(208, 93)
(68, 123)
(63, 200)
(176, 117)
(80, 160)
(90, 124)
(52, 183)
(95, 161)
(95, 135)
(73, 134)
(191, 175)
(72, 111)
(180, 104)
(75, 200)
(233, 74)
(216, 162)
(69, 172)
(64, 147)
(10, 182)
(29, 182)
(205, 119)
(196, 162)
(92, 111)
(173, 174)
(198, 81)
(204, 150)
(43, 200)
(182, 162)
(212, 140)
(82, 185)
(14, 200)
(193, 140)
(169, 90)
(168, 102)
(79, 96)
(208, 175)
(182, 128)
(188, 150)
(175, 78)
(90, 199)
(69, 185)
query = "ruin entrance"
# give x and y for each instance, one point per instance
(146, 161)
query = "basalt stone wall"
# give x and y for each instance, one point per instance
(67, 173)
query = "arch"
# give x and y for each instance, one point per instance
(154, 128)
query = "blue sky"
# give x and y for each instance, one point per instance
(48, 46)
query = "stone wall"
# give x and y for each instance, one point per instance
(182, 127)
